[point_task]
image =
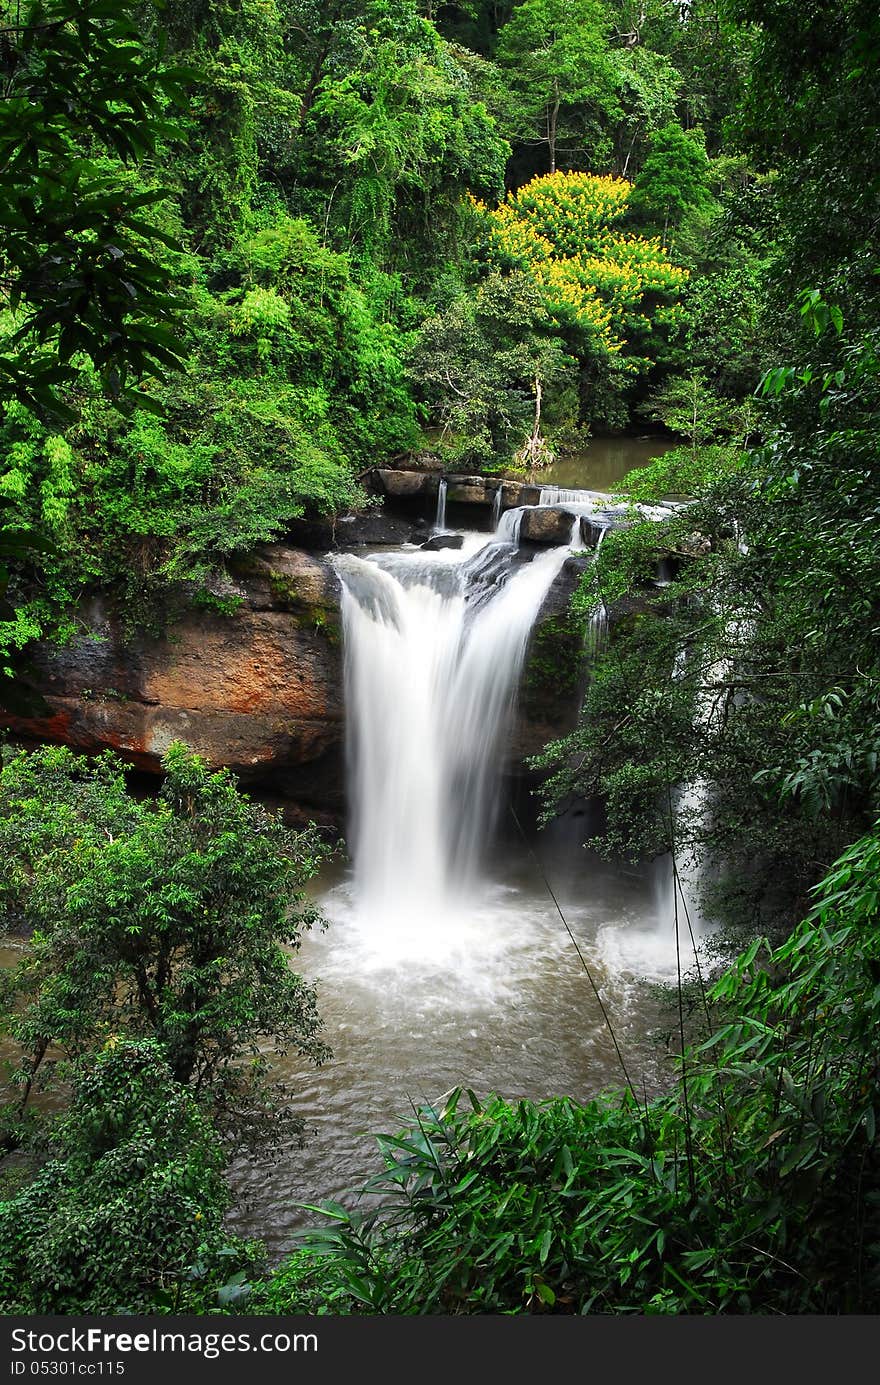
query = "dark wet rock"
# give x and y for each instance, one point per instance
(376, 527)
(438, 542)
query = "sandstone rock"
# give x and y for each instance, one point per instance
(280, 577)
(406, 484)
(528, 494)
(469, 490)
(546, 525)
(255, 690)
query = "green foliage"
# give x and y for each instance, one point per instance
(555, 663)
(724, 335)
(391, 131)
(241, 110)
(683, 472)
(126, 1213)
(78, 267)
(674, 178)
(688, 406)
(649, 87)
(562, 76)
(473, 23)
(475, 367)
(294, 380)
(317, 232)
(751, 1187)
(820, 57)
(164, 918)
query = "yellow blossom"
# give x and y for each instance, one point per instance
(559, 228)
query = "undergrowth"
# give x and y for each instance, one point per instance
(750, 1187)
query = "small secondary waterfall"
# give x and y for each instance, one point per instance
(434, 648)
(691, 810)
(442, 488)
(509, 525)
(559, 495)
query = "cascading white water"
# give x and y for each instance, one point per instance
(559, 495)
(497, 501)
(423, 985)
(433, 653)
(584, 502)
(509, 525)
(681, 929)
(442, 488)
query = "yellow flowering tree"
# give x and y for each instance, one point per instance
(564, 229)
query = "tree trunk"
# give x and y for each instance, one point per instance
(552, 122)
(315, 76)
(632, 145)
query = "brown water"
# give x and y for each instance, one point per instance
(604, 463)
(499, 1003)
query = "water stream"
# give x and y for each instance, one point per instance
(434, 647)
(445, 961)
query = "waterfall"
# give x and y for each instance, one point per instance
(440, 520)
(606, 507)
(497, 499)
(692, 808)
(433, 656)
(596, 638)
(509, 525)
(559, 495)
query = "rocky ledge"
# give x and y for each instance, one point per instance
(257, 687)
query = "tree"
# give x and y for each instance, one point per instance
(610, 294)
(126, 1214)
(562, 73)
(79, 276)
(674, 178)
(166, 919)
(809, 112)
(480, 364)
(688, 406)
(393, 135)
(648, 89)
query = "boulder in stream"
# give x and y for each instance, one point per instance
(438, 542)
(546, 524)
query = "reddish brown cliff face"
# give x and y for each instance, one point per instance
(258, 689)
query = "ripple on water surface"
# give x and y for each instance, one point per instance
(490, 995)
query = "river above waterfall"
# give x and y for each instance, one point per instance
(604, 462)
